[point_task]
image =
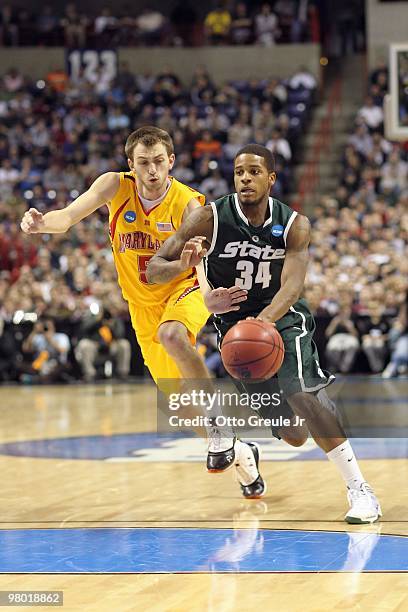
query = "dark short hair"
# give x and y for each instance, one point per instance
(256, 149)
(149, 135)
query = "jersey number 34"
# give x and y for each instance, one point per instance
(246, 278)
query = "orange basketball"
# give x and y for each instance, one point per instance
(252, 349)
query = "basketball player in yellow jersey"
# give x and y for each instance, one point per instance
(146, 206)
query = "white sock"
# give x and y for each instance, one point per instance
(344, 459)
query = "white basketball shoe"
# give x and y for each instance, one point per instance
(364, 506)
(221, 448)
(246, 465)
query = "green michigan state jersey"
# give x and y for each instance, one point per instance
(248, 256)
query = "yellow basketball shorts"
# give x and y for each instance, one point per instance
(185, 305)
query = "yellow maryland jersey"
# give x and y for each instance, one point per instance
(137, 235)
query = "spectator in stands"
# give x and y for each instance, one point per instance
(217, 24)
(151, 26)
(74, 26)
(276, 93)
(266, 26)
(286, 13)
(214, 186)
(202, 92)
(8, 26)
(145, 82)
(264, 119)
(47, 26)
(343, 343)
(303, 78)
(105, 22)
(125, 79)
(241, 30)
(374, 330)
(239, 134)
(26, 31)
(394, 175)
(183, 170)
(398, 340)
(57, 78)
(372, 115)
(166, 121)
(8, 178)
(45, 352)
(207, 145)
(279, 145)
(379, 76)
(13, 80)
(102, 336)
(361, 139)
(299, 26)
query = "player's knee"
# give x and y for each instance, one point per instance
(173, 336)
(295, 435)
(294, 440)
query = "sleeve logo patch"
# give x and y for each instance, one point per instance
(277, 230)
(130, 216)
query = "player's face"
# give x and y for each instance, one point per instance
(151, 166)
(252, 179)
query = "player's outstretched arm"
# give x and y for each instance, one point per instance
(293, 272)
(185, 249)
(59, 221)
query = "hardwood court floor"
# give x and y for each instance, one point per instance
(67, 461)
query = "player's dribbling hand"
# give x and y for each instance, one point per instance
(223, 300)
(32, 221)
(193, 252)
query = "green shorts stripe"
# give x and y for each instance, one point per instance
(327, 378)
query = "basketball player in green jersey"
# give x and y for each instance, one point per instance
(258, 244)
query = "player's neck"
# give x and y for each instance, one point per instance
(153, 194)
(256, 213)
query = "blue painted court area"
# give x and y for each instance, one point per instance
(151, 446)
(198, 550)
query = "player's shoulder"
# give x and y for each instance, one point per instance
(176, 184)
(185, 193)
(286, 213)
(299, 231)
(281, 205)
(107, 179)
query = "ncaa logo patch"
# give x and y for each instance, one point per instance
(130, 216)
(277, 230)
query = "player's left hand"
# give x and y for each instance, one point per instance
(193, 252)
(223, 300)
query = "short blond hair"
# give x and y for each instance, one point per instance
(149, 135)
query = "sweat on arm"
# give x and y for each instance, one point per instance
(170, 261)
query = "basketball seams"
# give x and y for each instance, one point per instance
(272, 368)
(241, 357)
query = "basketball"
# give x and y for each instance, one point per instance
(252, 349)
